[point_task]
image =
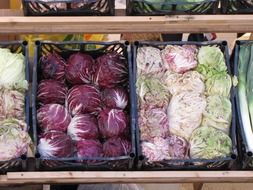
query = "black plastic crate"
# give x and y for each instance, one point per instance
(146, 8)
(187, 164)
(65, 49)
(245, 153)
(89, 8)
(237, 6)
(18, 164)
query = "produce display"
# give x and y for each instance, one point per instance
(245, 86)
(14, 138)
(184, 107)
(83, 104)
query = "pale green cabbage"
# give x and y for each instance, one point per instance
(219, 84)
(218, 113)
(209, 143)
(211, 61)
(12, 70)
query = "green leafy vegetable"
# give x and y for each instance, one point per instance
(219, 84)
(12, 70)
(218, 113)
(209, 143)
(211, 61)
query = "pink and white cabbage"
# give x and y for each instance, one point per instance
(53, 117)
(116, 146)
(152, 92)
(84, 99)
(153, 123)
(115, 98)
(53, 67)
(79, 69)
(83, 126)
(112, 122)
(12, 104)
(51, 91)
(14, 140)
(110, 70)
(156, 150)
(180, 59)
(178, 147)
(149, 60)
(89, 148)
(55, 144)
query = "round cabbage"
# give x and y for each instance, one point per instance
(152, 92)
(218, 113)
(12, 104)
(209, 143)
(180, 59)
(89, 148)
(84, 99)
(185, 113)
(83, 126)
(51, 91)
(115, 98)
(55, 144)
(53, 117)
(153, 123)
(190, 81)
(149, 60)
(219, 84)
(116, 146)
(111, 70)
(53, 67)
(211, 60)
(14, 140)
(79, 69)
(112, 122)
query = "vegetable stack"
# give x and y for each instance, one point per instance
(14, 138)
(184, 110)
(83, 106)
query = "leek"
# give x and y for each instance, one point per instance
(244, 58)
(249, 84)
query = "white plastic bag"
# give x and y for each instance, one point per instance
(110, 187)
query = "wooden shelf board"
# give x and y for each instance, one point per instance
(127, 177)
(16, 23)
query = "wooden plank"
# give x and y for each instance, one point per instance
(127, 24)
(128, 177)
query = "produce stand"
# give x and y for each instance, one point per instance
(12, 22)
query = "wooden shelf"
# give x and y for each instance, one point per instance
(16, 23)
(127, 177)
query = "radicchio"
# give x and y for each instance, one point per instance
(89, 148)
(83, 126)
(55, 144)
(112, 122)
(84, 99)
(12, 104)
(51, 91)
(180, 59)
(79, 68)
(116, 146)
(53, 117)
(53, 67)
(115, 98)
(153, 122)
(110, 70)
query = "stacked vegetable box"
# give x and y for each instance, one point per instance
(83, 106)
(185, 105)
(14, 105)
